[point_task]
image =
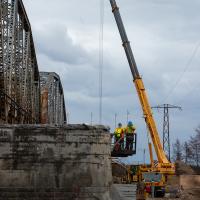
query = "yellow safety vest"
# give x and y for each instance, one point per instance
(118, 132)
(130, 130)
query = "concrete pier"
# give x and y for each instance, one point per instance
(58, 163)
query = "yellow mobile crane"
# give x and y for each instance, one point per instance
(164, 167)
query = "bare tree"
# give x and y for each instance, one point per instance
(186, 152)
(177, 151)
(195, 148)
(189, 152)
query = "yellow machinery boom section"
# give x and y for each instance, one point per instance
(151, 154)
(164, 165)
(150, 121)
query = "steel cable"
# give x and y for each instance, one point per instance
(101, 59)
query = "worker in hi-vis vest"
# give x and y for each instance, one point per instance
(119, 135)
(129, 132)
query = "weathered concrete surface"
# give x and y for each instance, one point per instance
(45, 162)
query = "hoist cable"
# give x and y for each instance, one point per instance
(101, 59)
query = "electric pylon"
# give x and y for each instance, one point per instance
(166, 135)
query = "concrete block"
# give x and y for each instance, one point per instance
(49, 162)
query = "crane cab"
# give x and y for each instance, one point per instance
(154, 183)
(124, 147)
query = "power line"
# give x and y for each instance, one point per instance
(188, 95)
(101, 58)
(184, 71)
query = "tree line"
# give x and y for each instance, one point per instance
(188, 152)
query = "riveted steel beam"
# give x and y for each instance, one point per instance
(53, 104)
(19, 74)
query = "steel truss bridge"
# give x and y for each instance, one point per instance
(20, 94)
(52, 99)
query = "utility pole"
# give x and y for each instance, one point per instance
(144, 156)
(91, 118)
(166, 138)
(67, 117)
(115, 120)
(127, 116)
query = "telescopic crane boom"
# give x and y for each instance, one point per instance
(163, 163)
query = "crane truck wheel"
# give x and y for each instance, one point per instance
(159, 192)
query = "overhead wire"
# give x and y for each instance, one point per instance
(188, 64)
(101, 59)
(188, 94)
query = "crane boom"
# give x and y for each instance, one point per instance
(162, 159)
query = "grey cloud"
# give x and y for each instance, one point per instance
(54, 41)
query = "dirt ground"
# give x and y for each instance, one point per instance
(184, 187)
(189, 182)
(192, 194)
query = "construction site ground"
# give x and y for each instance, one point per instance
(192, 194)
(124, 192)
(128, 192)
(185, 185)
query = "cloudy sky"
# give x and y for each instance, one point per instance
(165, 37)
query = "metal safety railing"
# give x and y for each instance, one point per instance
(15, 114)
(124, 147)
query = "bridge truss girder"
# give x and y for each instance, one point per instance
(52, 99)
(19, 75)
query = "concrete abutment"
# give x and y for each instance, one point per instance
(49, 162)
